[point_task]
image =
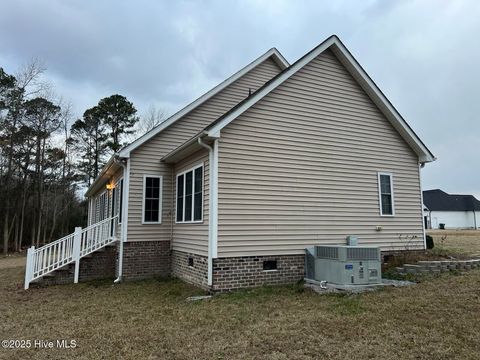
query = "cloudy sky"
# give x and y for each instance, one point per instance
(424, 55)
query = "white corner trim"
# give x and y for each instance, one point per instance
(390, 175)
(358, 73)
(124, 225)
(278, 58)
(126, 193)
(160, 199)
(212, 205)
(214, 192)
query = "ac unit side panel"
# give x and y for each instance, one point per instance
(348, 272)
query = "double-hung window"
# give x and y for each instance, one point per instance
(190, 195)
(152, 200)
(385, 193)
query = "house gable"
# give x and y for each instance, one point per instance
(272, 57)
(299, 167)
(206, 108)
(334, 44)
(145, 159)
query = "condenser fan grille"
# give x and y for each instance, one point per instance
(362, 254)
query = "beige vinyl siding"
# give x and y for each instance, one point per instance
(192, 237)
(300, 168)
(146, 159)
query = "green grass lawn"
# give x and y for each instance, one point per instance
(435, 319)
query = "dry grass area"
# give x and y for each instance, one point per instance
(436, 319)
(467, 241)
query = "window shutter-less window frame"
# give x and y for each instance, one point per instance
(386, 194)
(189, 196)
(152, 199)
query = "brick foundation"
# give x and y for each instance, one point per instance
(154, 258)
(144, 259)
(247, 272)
(98, 265)
(196, 274)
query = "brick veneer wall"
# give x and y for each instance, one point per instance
(144, 259)
(196, 274)
(247, 272)
(98, 265)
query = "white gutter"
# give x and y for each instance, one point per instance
(124, 225)
(212, 205)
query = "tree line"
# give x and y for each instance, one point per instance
(48, 158)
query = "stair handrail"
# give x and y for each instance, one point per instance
(89, 227)
(42, 260)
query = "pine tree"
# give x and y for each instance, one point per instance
(90, 139)
(119, 115)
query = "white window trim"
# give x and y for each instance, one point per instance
(193, 194)
(119, 194)
(380, 193)
(160, 200)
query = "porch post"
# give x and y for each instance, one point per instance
(29, 267)
(77, 239)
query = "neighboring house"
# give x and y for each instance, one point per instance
(452, 210)
(229, 191)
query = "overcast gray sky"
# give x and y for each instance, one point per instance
(424, 55)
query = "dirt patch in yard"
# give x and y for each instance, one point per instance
(152, 320)
(7, 262)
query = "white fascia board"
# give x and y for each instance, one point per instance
(382, 102)
(274, 53)
(260, 94)
(360, 75)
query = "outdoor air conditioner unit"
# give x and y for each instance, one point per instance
(344, 265)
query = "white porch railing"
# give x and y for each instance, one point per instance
(68, 249)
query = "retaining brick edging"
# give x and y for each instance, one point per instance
(436, 267)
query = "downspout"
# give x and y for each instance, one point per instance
(126, 181)
(212, 205)
(420, 166)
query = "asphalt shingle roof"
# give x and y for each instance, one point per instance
(438, 200)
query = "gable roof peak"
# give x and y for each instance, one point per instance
(272, 53)
(333, 43)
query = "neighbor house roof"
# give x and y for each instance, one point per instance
(438, 200)
(334, 44)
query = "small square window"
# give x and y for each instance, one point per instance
(270, 265)
(190, 261)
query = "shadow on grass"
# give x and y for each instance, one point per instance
(262, 292)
